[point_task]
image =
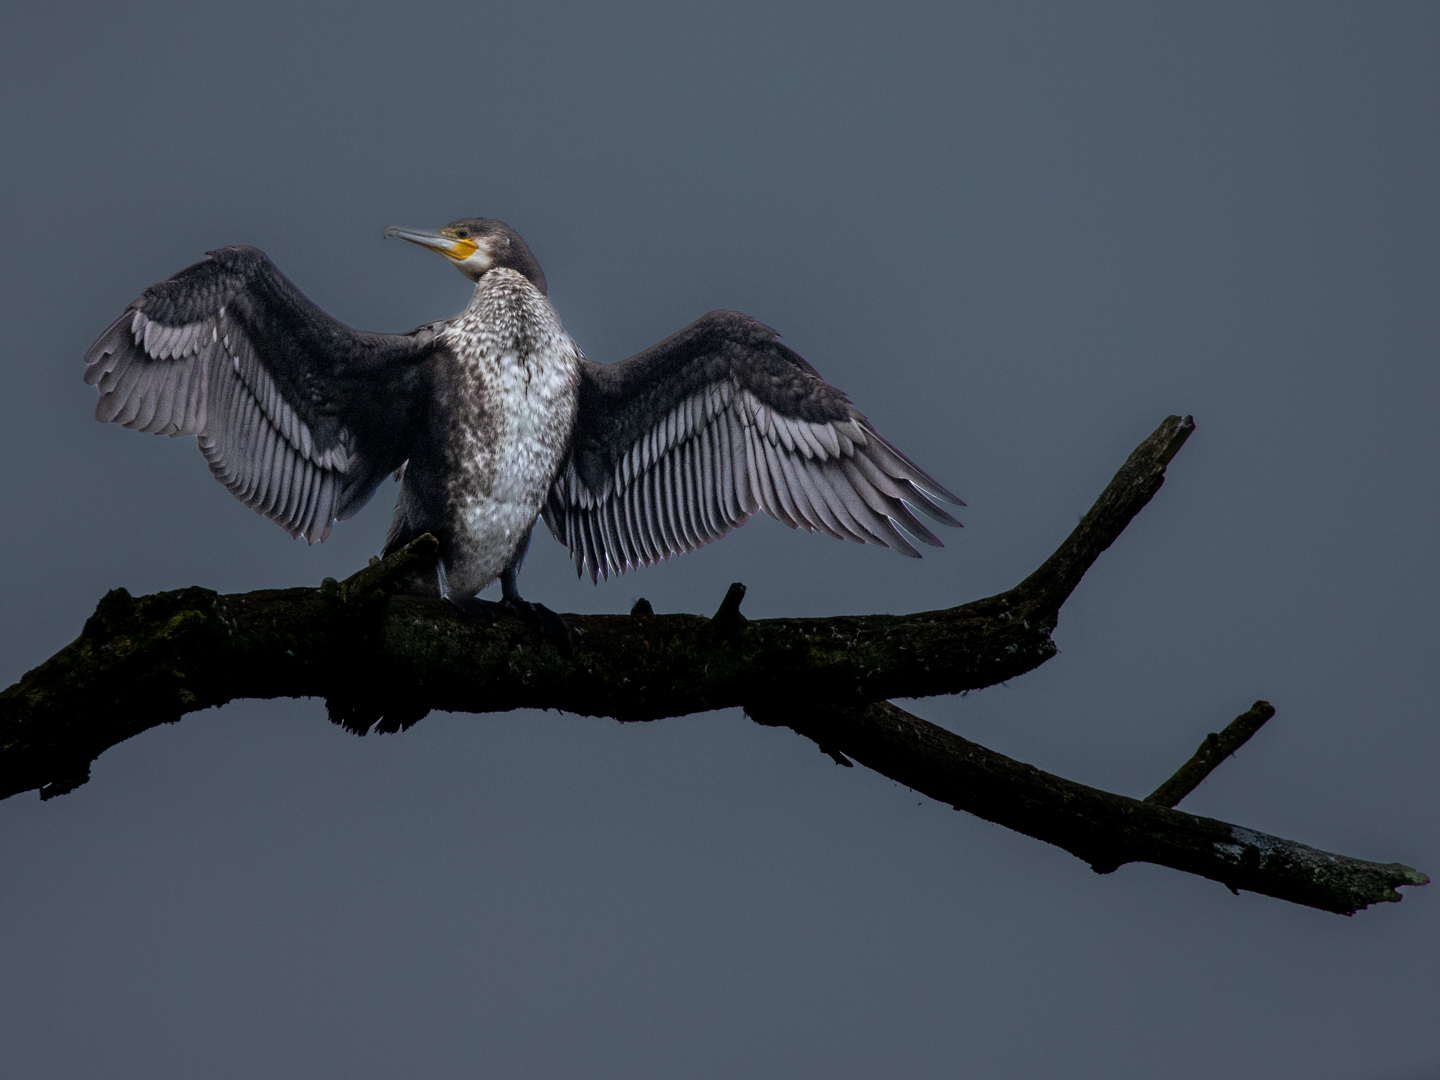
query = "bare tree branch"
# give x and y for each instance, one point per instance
(382, 662)
(1103, 829)
(1214, 750)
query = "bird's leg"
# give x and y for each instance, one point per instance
(472, 606)
(538, 616)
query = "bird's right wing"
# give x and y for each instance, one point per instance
(300, 416)
(675, 447)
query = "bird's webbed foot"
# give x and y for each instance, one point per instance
(536, 616)
(485, 610)
(541, 619)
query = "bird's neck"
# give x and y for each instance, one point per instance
(505, 288)
(507, 312)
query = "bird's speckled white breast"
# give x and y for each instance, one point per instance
(515, 408)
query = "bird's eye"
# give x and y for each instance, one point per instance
(463, 234)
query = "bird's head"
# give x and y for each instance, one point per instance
(475, 246)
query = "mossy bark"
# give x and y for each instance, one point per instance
(383, 661)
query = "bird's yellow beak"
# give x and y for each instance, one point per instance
(449, 246)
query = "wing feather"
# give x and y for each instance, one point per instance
(644, 521)
(710, 472)
(676, 447)
(645, 507)
(639, 549)
(827, 504)
(727, 502)
(655, 503)
(690, 470)
(773, 474)
(789, 481)
(670, 516)
(760, 475)
(285, 401)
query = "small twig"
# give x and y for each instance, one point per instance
(1214, 750)
(729, 608)
(727, 621)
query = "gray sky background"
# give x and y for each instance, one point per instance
(1019, 236)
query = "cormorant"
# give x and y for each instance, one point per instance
(495, 417)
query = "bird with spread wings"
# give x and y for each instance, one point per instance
(301, 417)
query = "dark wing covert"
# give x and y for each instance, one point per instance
(300, 416)
(680, 444)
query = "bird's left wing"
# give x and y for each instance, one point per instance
(680, 444)
(300, 416)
